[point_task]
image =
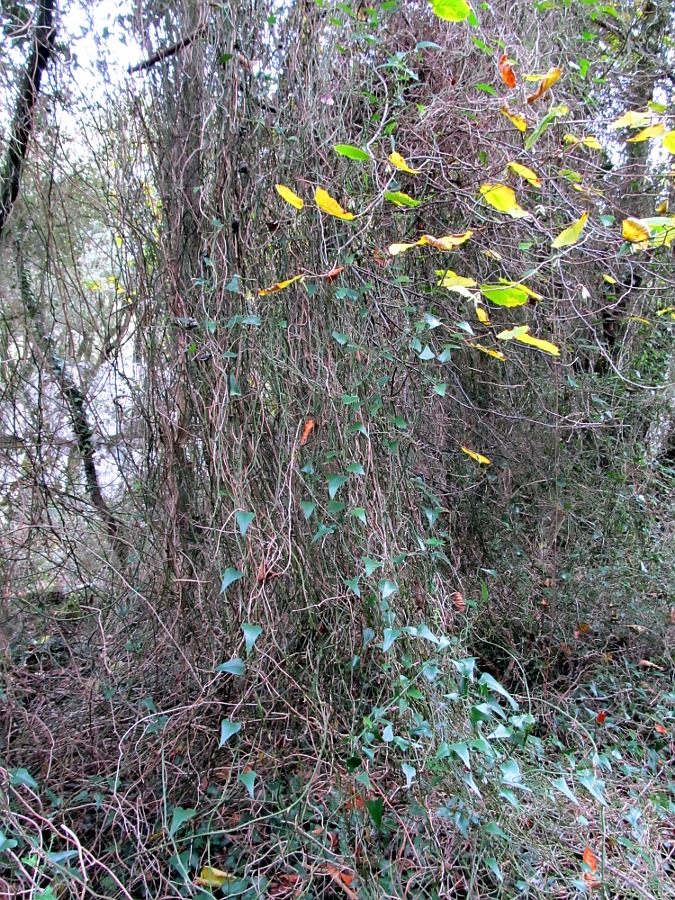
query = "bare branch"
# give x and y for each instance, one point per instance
(166, 52)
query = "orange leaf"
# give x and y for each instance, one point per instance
(545, 84)
(307, 430)
(659, 728)
(506, 71)
(600, 718)
(459, 601)
(590, 860)
(380, 258)
(333, 274)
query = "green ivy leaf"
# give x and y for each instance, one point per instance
(232, 666)
(227, 730)
(335, 482)
(229, 577)
(244, 519)
(251, 635)
(376, 809)
(248, 780)
(180, 816)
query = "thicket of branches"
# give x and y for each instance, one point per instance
(183, 455)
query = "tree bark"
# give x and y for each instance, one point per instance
(22, 123)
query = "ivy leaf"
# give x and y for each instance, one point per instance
(22, 777)
(449, 242)
(232, 666)
(594, 786)
(506, 71)
(561, 785)
(227, 730)
(308, 507)
(180, 816)
(244, 519)
(376, 809)
(229, 577)
(251, 635)
(492, 683)
(335, 482)
(462, 751)
(248, 780)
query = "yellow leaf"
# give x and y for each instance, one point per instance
(634, 231)
(280, 285)
(546, 83)
(397, 160)
(326, 203)
(495, 353)
(482, 315)
(521, 334)
(631, 119)
(589, 141)
(653, 131)
(503, 198)
(609, 279)
(669, 141)
(662, 208)
(395, 249)
(289, 196)
(477, 456)
(638, 319)
(589, 191)
(570, 235)
(454, 282)
(525, 173)
(534, 76)
(210, 877)
(515, 118)
(668, 310)
(449, 242)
